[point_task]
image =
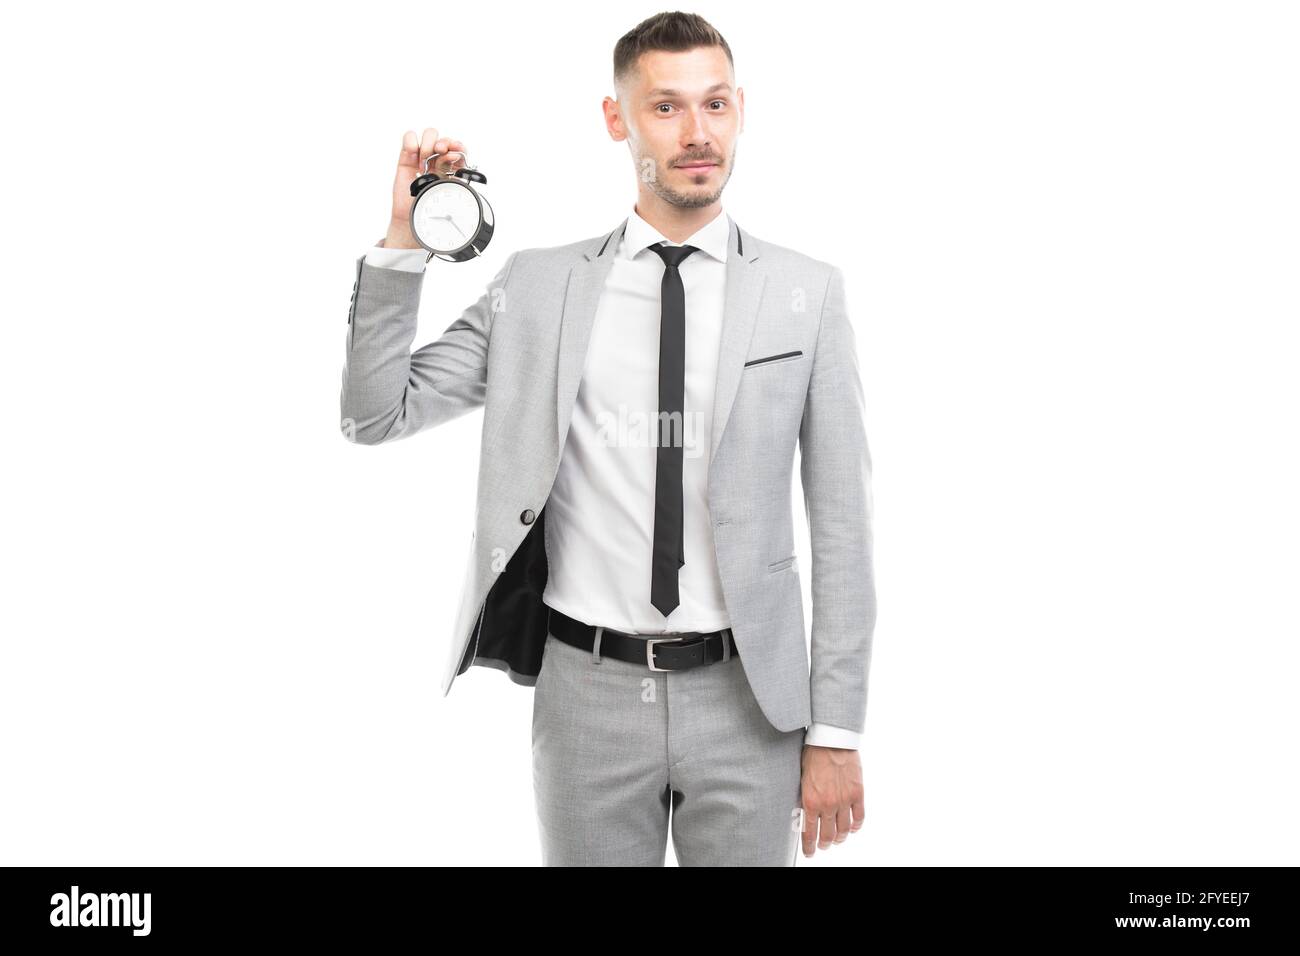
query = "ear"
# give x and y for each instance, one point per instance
(613, 119)
(740, 98)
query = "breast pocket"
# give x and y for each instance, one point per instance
(774, 359)
(770, 399)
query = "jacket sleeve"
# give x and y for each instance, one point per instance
(390, 392)
(835, 469)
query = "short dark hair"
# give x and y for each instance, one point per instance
(674, 32)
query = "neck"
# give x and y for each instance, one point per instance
(676, 223)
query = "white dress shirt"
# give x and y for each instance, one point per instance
(600, 513)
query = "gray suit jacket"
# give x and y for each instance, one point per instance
(787, 374)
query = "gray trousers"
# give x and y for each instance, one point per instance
(622, 753)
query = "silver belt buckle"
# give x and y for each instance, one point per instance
(650, 642)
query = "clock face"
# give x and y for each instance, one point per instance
(445, 217)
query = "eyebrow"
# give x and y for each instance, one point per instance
(662, 91)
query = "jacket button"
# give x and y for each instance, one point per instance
(527, 516)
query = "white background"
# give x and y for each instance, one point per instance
(1069, 234)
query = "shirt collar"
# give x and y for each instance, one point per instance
(710, 238)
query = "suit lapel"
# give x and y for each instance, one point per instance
(744, 289)
(586, 282)
(745, 283)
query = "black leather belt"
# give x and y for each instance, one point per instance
(673, 652)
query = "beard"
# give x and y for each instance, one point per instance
(695, 199)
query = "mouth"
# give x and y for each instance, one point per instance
(697, 167)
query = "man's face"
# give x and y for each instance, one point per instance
(682, 118)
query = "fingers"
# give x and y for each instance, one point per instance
(842, 824)
(819, 831)
(859, 812)
(410, 153)
(416, 150)
(809, 835)
(453, 157)
(428, 139)
(826, 821)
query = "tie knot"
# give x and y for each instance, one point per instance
(673, 255)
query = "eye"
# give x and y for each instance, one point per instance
(723, 102)
(662, 104)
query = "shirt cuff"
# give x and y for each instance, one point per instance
(824, 735)
(404, 260)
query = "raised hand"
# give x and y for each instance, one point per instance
(410, 164)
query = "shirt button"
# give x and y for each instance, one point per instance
(527, 516)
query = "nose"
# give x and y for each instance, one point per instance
(697, 134)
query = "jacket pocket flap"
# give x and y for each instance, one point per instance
(774, 358)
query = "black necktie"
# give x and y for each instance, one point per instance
(669, 552)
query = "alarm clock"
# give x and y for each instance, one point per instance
(449, 217)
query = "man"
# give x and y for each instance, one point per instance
(642, 578)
